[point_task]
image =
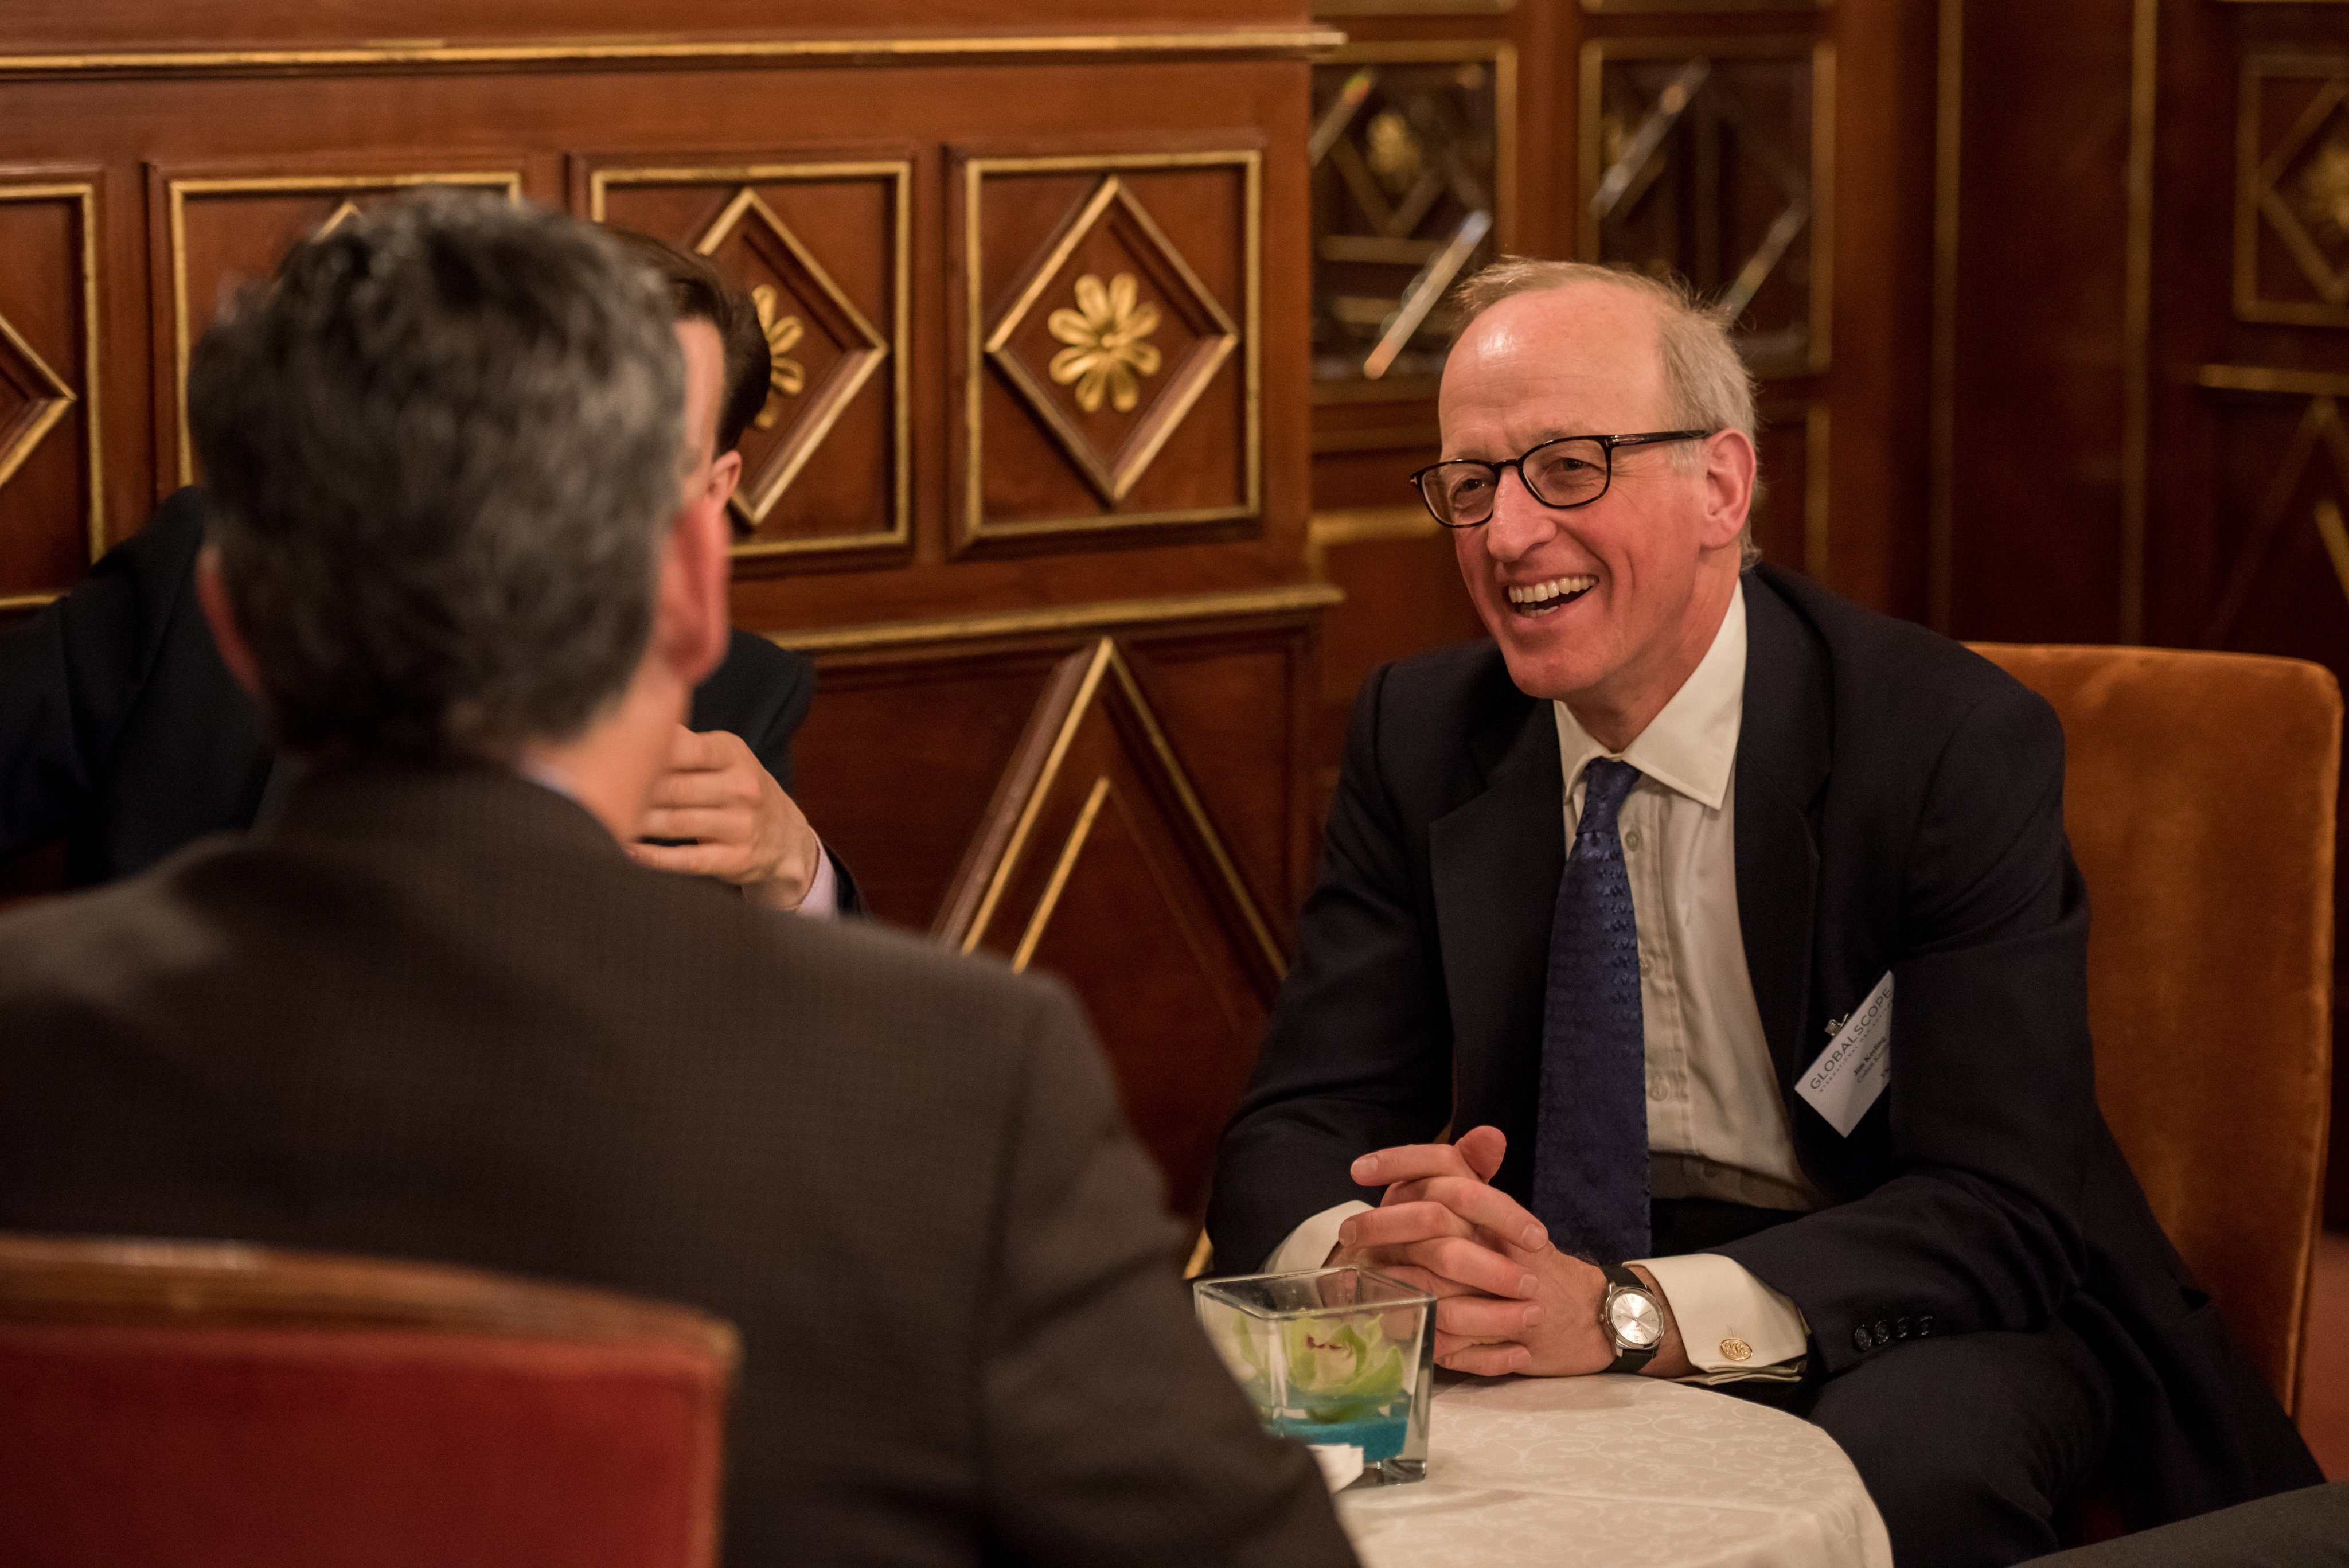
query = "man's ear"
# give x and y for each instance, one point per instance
(690, 623)
(725, 476)
(1728, 469)
(212, 593)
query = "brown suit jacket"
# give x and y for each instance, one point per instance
(441, 1015)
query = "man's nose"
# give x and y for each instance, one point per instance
(1518, 523)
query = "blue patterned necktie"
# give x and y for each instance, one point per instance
(1590, 1142)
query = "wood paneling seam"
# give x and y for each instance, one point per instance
(1289, 599)
(2137, 314)
(1276, 42)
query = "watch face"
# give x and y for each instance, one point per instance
(1633, 1317)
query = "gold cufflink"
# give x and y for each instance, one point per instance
(1736, 1349)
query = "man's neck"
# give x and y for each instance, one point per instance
(610, 768)
(1615, 718)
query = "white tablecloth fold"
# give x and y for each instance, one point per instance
(1614, 1471)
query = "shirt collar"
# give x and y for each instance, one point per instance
(1691, 746)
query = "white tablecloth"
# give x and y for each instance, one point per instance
(1614, 1470)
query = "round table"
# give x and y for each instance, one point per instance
(1614, 1470)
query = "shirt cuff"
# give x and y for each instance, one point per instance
(1308, 1246)
(1733, 1327)
(822, 901)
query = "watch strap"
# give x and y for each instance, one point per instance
(1627, 1358)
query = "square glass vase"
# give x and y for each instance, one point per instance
(1331, 1356)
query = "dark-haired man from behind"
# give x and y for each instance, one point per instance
(435, 1010)
(123, 736)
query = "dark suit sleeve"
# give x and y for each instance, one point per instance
(70, 681)
(1358, 1054)
(1992, 1110)
(762, 693)
(1110, 1430)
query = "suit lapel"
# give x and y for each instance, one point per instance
(1494, 865)
(1782, 746)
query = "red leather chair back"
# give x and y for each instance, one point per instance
(181, 1405)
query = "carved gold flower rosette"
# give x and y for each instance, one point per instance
(1164, 395)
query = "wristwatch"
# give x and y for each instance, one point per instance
(1632, 1317)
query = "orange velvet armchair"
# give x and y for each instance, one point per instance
(191, 1405)
(2199, 792)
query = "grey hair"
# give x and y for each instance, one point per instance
(442, 443)
(1705, 379)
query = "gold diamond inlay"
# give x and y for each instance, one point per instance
(1116, 330)
(863, 349)
(44, 399)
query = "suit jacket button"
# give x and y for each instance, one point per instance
(1900, 1328)
(1860, 1340)
(1883, 1332)
(1925, 1326)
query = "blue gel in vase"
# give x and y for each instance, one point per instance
(1379, 1437)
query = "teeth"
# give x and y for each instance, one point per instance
(1557, 587)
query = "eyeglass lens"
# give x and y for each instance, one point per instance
(1560, 473)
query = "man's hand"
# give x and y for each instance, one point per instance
(1507, 1301)
(746, 829)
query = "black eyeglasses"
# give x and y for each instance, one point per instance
(1569, 470)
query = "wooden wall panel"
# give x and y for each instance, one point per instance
(1235, 703)
(1111, 363)
(51, 469)
(216, 224)
(899, 757)
(909, 738)
(823, 242)
(1099, 861)
(392, 113)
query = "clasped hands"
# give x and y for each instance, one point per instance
(745, 829)
(1506, 1300)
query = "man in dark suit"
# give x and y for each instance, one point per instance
(434, 1009)
(122, 734)
(1781, 1079)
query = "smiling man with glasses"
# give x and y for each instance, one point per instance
(1728, 933)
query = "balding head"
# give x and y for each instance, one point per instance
(1610, 603)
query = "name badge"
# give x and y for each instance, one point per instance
(1857, 1065)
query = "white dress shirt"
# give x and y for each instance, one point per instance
(822, 901)
(1716, 1125)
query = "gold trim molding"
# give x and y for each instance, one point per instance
(84, 195)
(2257, 200)
(983, 345)
(1502, 57)
(1105, 666)
(2269, 379)
(2137, 314)
(1344, 9)
(1103, 615)
(1820, 220)
(176, 193)
(767, 487)
(1369, 524)
(434, 53)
